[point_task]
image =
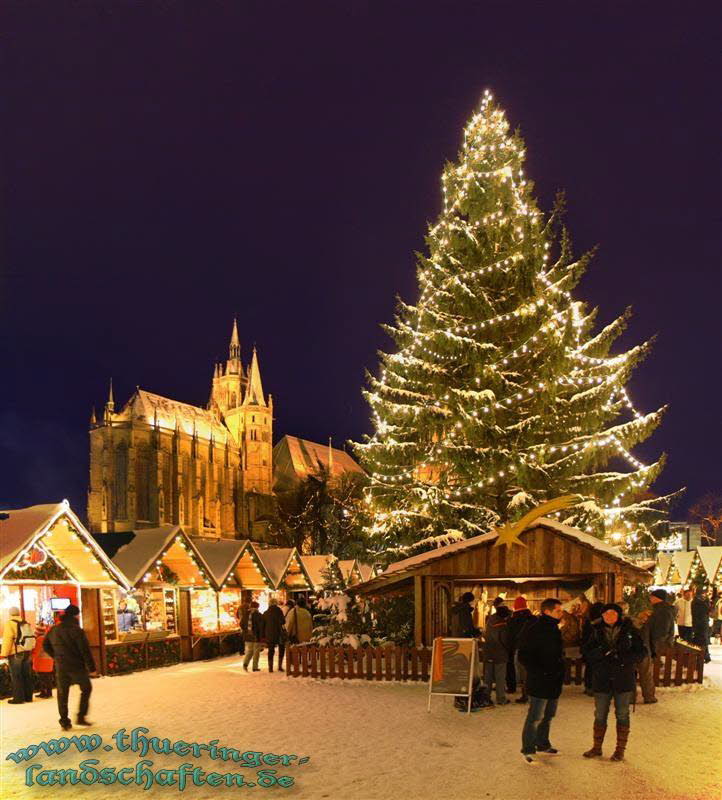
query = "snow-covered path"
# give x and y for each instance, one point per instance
(373, 741)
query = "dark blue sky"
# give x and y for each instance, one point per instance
(167, 168)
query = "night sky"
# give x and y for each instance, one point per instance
(168, 166)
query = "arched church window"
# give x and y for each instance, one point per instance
(104, 504)
(181, 509)
(161, 505)
(120, 495)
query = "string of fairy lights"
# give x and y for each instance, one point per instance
(460, 333)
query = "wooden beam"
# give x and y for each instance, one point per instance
(418, 611)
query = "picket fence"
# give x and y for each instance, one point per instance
(681, 664)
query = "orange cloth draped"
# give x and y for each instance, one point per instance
(437, 668)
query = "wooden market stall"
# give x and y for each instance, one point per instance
(321, 569)
(557, 561)
(171, 605)
(350, 571)
(286, 571)
(48, 560)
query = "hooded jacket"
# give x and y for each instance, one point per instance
(496, 639)
(614, 662)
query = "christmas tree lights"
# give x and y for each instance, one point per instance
(498, 395)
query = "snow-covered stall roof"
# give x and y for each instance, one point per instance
(221, 555)
(316, 566)
(682, 563)
(55, 529)
(711, 558)
(276, 560)
(349, 570)
(664, 562)
(169, 414)
(168, 543)
(366, 571)
(422, 559)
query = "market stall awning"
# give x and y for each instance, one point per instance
(711, 558)
(250, 572)
(681, 566)
(30, 534)
(167, 546)
(284, 567)
(221, 555)
(350, 571)
(318, 567)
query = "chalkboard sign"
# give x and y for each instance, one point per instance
(453, 666)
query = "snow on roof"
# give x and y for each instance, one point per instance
(220, 555)
(366, 570)
(664, 562)
(275, 561)
(54, 526)
(711, 558)
(475, 541)
(302, 458)
(682, 560)
(134, 558)
(168, 413)
(21, 526)
(315, 567)
(347, 566)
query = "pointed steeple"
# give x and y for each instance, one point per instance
(110, 404)
(93, 420)
(234, 350)
(254, 390)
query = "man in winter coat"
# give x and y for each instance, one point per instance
(252, 635)
(274, 633)
(242, 613)
(18, 655)
(541, 653)
(657, 635)
(700, 623)
(614, 648)
(299, 623)
(522, 614)
(74, 663)
(496, 652)
(462, 619)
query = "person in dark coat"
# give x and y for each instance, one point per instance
(74, 663)
(541, 653)
(253, 635)
(462, 618)
(700, 623)
(242, 613)
(496, 652)
(519, 618)
(657, 636)
(274, 633)
(614, 648)
(593, 619)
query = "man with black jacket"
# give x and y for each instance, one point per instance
(541, 653)
(522, 614)
(74, 663)
(658, 636)
(252, 635)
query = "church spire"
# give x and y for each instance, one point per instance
(254, 392)
(110, 405)
(234, 349)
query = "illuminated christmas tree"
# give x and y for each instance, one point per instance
(499, 394)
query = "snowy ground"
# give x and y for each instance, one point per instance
(374, 741)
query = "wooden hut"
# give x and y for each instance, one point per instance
(557, 561)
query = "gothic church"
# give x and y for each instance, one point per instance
(159, 461)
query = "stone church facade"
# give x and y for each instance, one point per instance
(158, 461)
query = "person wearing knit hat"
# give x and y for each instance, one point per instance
(613, 648)
(516, 624)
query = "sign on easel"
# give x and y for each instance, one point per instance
(453, 667)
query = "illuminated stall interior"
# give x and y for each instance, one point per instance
(221, 556)
(49, 560)
(158, 564)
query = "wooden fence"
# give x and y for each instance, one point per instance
(679, 665)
